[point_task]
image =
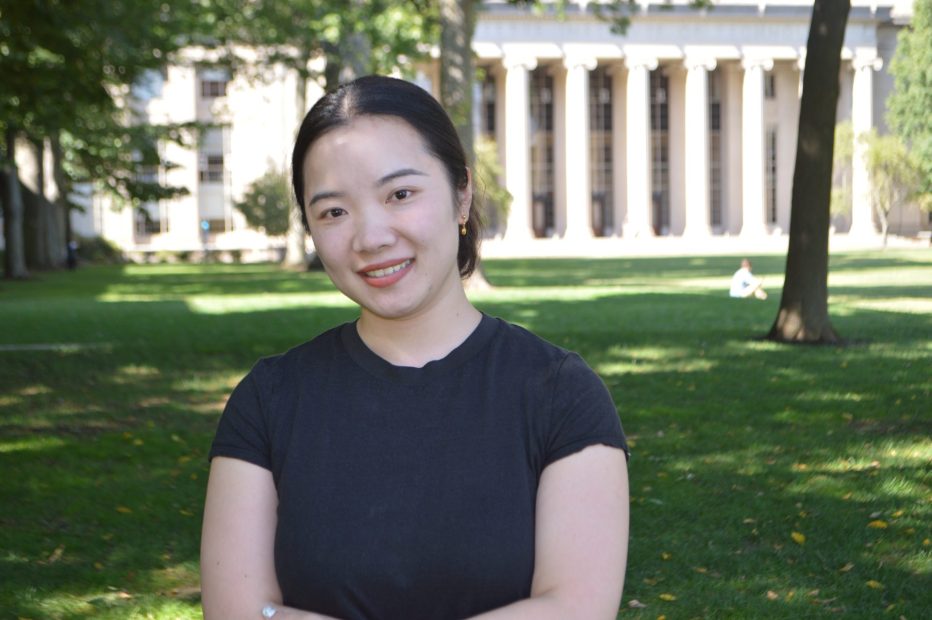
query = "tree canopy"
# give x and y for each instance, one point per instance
(911, 101)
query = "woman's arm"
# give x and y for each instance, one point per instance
(237, 544)
(581, 539)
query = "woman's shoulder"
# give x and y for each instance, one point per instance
(301, 358)
(521, 340)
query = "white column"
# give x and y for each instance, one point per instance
(862, 121)
(697, 146)
(517, 145)
(752, 147)
(578, 179)
(619, 160)
(637, 128)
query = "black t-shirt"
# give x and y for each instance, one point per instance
(410, 492)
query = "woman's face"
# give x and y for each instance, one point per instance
(382, 216)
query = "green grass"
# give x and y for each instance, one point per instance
(737, 443)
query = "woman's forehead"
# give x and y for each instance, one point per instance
(367, 145)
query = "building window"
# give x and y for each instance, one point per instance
(660, 151)
(212, 88)
(715, 148)
(600, 150)
(542, 182)
(148, 221)
(487, 105)
(770, 86)
(211, 168)
(771, 175)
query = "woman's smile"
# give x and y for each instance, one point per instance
(386, 274)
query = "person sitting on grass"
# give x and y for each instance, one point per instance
(746, 284)
(426, 460)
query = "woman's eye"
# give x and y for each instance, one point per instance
(401, 194)
(332, 213)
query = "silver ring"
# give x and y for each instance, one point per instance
(268, 611)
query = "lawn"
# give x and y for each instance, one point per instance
(767, 481)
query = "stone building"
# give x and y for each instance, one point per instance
(683, 127)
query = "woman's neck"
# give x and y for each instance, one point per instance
(421, 338)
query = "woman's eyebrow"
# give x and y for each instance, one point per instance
(399, 173)
(323, 196)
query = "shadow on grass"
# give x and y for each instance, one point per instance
(737, 443)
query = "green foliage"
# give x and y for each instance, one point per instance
(113, 394)
(496, 200)
(267, 203)
(292, 33)
(909, 105)
(99, 250)
(67, 69)
(895, 174)
(842, 168)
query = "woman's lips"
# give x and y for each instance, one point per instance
(385, 274)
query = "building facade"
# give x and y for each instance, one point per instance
(683, 127)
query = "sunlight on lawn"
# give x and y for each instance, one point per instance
(32, 444)
(226, 304)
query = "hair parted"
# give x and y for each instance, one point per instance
(376, 95)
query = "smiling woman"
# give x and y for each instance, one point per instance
(426, 460)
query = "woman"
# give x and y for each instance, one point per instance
(427, 460)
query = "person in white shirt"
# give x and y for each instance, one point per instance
(745, 284)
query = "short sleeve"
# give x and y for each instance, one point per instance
(243, 429)
(582, 412)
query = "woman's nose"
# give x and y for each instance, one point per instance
(374, 230)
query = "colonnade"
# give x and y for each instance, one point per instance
(631, 72)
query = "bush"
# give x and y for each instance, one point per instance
(99, 250)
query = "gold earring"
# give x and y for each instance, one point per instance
(463, 229)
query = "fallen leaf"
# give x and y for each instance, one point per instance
(636, 604)
(876, 585)
(661, 618)
(56, 555)
(666, 596)
(665, 556)
(878, 524)
(701, 569)
(897, 514)
(124, 510)
(98, 565)
(798, 538)
(772, 596)
(846, 567)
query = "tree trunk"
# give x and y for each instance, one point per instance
(14, 262)
(457, 71)
(63, 184)
(355, 49)
(294, 238)
(457, 77)
(803, 314)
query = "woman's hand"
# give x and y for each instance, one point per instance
(280, 612)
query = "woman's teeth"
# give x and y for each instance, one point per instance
(381, 273)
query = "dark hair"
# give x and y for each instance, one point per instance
(376, 95)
